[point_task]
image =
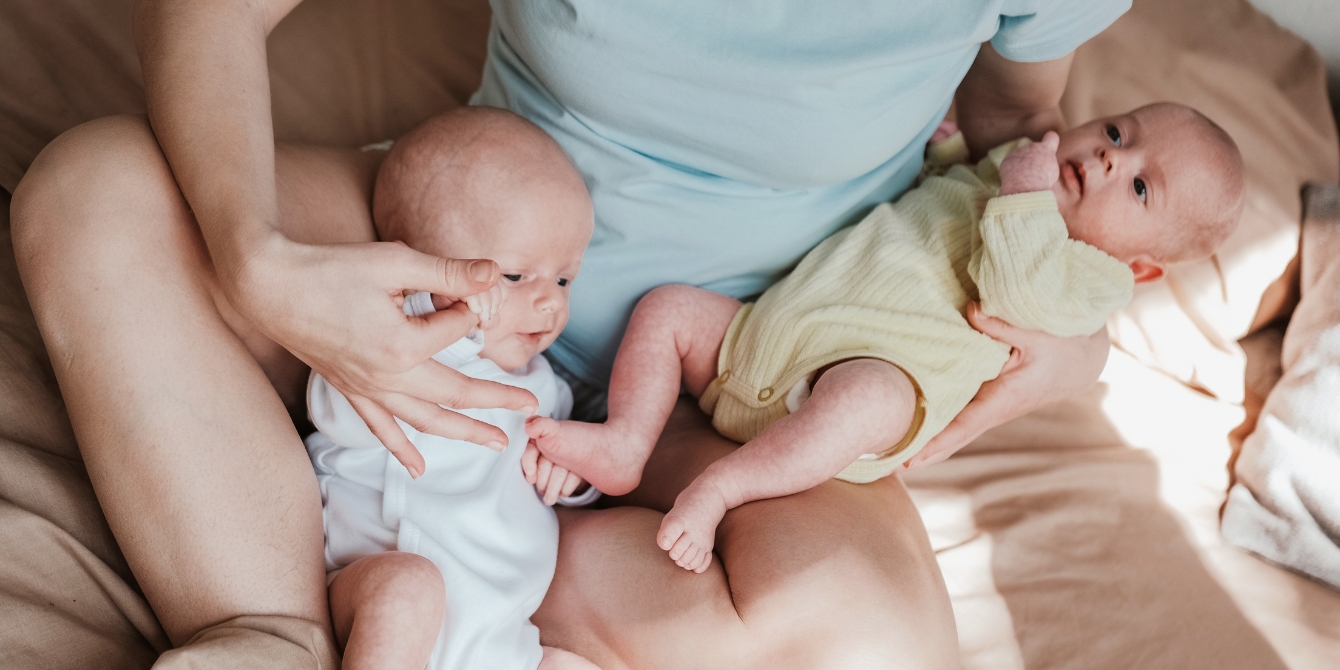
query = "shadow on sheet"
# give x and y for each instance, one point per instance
(1062, 554)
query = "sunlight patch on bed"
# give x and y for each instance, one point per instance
(985, 628)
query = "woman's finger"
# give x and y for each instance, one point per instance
(452, 277)
(428, 334)
(383, 426)
(426, 417)
(437, 383)
(997, 329)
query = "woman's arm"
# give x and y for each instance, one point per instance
(1042, 369)
(1001, 100)
(998, 101)
(336, 307)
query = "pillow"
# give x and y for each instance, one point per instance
(1283, 505)
(1266, 87)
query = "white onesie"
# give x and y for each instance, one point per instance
(471, 513)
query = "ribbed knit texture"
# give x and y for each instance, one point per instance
(895, 287)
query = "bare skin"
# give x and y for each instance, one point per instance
(673, 340)
(388, 608)
(157, 249)
(70, 263)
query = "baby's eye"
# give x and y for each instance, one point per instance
(562, 282)
(512, 277)
(1140, 191)
(1114, 135)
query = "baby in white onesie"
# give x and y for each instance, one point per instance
(444, 571)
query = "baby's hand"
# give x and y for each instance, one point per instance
(1031, 168)
(484, 305)
(487, 304)
(944, 131)
(550, 480)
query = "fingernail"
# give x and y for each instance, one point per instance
(495, 445)
(481, 270)
(530, 409)
(415, 472)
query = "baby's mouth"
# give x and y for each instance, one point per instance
(1074, 174)
(535, 337)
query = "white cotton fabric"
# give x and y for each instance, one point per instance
(471, 513)
(1284, 504)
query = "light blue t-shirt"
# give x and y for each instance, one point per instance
(722, 140)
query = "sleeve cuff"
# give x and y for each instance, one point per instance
(1021, 203)
(419, 304)
(590, 495)
(1091, 19)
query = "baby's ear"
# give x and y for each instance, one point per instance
(1147, 270)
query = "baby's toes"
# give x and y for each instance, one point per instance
(672, 529)
(681, 547)
(703, 561)
(541, 428)
(690, 558)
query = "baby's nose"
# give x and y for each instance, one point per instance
(547, 302)
(1108, 159)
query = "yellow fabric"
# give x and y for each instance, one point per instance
(895, 287)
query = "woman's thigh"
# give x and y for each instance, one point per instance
(839, 576)
(189, 446)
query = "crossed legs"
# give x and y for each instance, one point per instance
(179, 409)
(839, 576)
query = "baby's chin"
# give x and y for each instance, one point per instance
(509, 353)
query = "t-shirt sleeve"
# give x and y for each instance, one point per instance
(1031, 274)
(1038, 30)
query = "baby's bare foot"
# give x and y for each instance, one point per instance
(607, 458)
(689, 530)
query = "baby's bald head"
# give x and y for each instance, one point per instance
(471, 173)
(480, 182)
(1158, 185)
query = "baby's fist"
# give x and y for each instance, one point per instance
(1031, 168)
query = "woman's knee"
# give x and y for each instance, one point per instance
(846, 614)
(841, 576)
(68, 200)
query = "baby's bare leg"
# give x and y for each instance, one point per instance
(857, 407)
(674, 335)
(388, 610)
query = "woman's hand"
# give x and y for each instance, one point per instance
(338, 308)
(1042, 369)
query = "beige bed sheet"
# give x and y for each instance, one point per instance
(1082, 536)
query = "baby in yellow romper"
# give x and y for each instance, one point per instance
(852, 363)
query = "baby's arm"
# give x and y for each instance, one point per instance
(1027, 270)
(857, 407)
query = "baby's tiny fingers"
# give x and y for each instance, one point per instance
(556, 479)
(542, 473)
(529, 463)
(571, 484)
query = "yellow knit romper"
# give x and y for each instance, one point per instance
(895, 288)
